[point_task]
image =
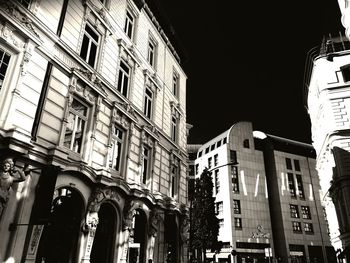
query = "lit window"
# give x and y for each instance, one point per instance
(216, 161)
(236, 206)
(123, 78)
(291, 185)
(147, 110)
(129, 24)
(294, 213)
(4, 62)
(145, 163)
(89, 45)
(300, 186)
(305, 212)
(176, 79)
(296, 226)
(234, 178)
(75, 129)
(217, 181)
(151, 55)
(238, 223)
(308, 228)
(117, 147)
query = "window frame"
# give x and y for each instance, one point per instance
(130, 21)
(176, 83)
(148, 102)
(8, 65)
(173, 126)
(116, 161)
(124, 76)
(91, 41)
(152, 48)
(238, 223)
(305, 212)
(217, 181)
(145, 172)
(84, 130)
(236, 206)
(296, 226)
(174, 176)
(294, 211)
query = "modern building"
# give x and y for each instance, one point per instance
(93, 123)
(267, 197)
(327, 78)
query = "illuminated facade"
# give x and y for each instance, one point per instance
(267, 197)
(93, 114)
(327, 99)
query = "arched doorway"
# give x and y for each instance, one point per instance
(137, 241)
(171, 238)
(103, 246)
(60, 236)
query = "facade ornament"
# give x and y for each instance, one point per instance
(154, 220)
(184, 230)
(9, 175)
(7, 33)
(128, 213)
(99, 196)
(26, 58)
(20, 16)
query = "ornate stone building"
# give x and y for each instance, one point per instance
(92, 133)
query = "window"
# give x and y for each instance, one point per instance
(216, 161)
(219, 208)
(4, 62)
(151, 53)
(346, 73)
(289, 163)
(147, 110)
(305, 212)
(25, 3)
(294, 212)
(173, 128)
(236, 206)
(129, 24)
(123, 78)
(238, 223)
(117, 147)
(218, 144)
(74, 134)
(197, 168)
(90, 45)
(176, 79)
(233, 156)
(224, 141)
(209, 162)
(300, 186)
(234, 177)
(206, 150)
(308, 228)
(145, 163)
(296, 226)
(246, 143)
(200, 154)
(217, 181)
(291, 185)
(296, 165)
(175, 169)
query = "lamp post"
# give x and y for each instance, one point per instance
(261, 234)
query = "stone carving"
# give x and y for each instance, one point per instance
(9, 175)
(184, 230)
(154, 220)
(128, 213)
(99, 195)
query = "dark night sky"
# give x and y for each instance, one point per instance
(246, 59)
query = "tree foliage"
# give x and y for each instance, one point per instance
(205, 224)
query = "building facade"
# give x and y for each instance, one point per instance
(267, 197)
(93, 133)
(327, 99)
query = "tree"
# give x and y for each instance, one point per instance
(205, 224)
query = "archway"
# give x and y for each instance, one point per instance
(60, 236)
(138, 238)
(103, 246)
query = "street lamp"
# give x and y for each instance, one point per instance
(261, 234)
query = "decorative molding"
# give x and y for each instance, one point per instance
(100, 195)
(9, 36)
